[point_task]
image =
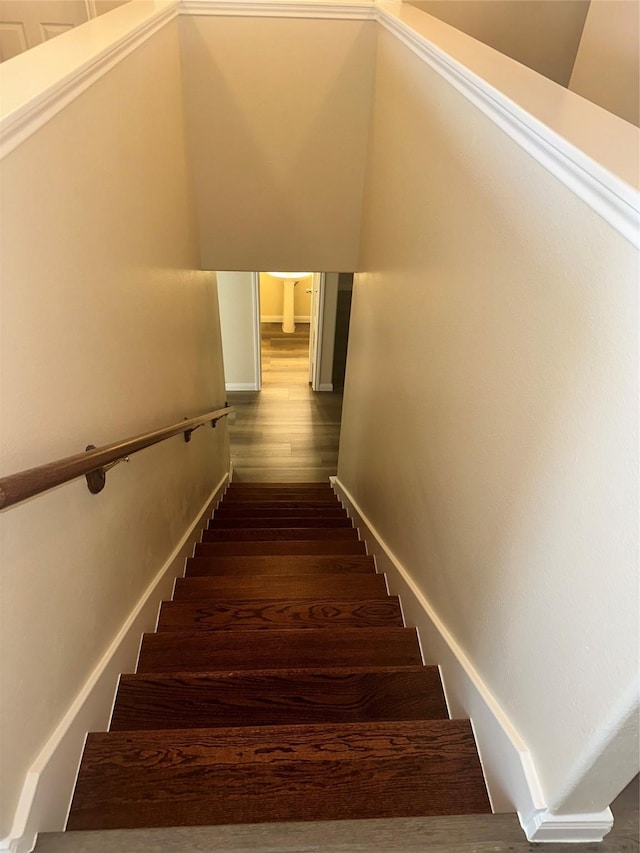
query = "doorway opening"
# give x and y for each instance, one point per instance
(251, 302)
(288, 400)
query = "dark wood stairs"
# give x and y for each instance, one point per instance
(281, 685)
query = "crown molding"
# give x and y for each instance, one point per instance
(617, 202)
(39, 93)
(363, 11)
(56, 81)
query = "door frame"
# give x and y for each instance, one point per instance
(316, 328)
(315, 358)
(257, 329)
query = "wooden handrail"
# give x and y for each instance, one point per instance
(25, 484)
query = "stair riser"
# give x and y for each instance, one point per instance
(356, 586)
(279, 614)
(240, 566)
(285, 698)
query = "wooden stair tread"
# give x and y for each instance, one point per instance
(281, 586)
(279, 565)
(313, 484)
(281, 503)
(339, 547)
(314, 772)
(278, 697)
(292, 512)
(278, 534)
(283, 613)
(260, 522)
(279, 487)
(246, 709)
(279, 493)
(201, 651)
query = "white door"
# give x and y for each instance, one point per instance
(315, 329)
(24, 25)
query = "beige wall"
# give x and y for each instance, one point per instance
(278, 116)
(272, 297)
(498, 315)
(607, 67)
(539, 33)
(107, 331)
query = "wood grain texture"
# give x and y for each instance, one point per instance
(282, 501)
(304, 424)
(278, 486)
(289, 490)
(277, 534)
(236, 775)
(24, 484)
(283, 565)
(280, 685)
(340, 547)
(489, 833)
(203, 651)
(285, 523)
(281, 614)
(296, 512)
(249, 495)
(354, 586)
(278, 697)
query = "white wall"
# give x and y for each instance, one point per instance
(542, 35)
(278, 116)
(493, 357)
(108, 329)
(325, 382)
(240, 331)
(607, 66)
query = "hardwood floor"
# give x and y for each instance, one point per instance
(468, 834)
(286, 432)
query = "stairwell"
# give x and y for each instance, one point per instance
(281, 685)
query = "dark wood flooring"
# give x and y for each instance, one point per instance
(286, 432)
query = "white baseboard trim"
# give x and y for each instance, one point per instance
(241, 386)
(542, 826)
(325, 386)
(277, 318)
(508, 766)
(48, 787)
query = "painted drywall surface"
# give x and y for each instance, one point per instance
(107, 331)
(278, 117)
(607, 66)
(543, 35)
(272, 297)
(328, 328)
(498, 316)
(238, 326)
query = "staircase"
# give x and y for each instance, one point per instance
(280, 685)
